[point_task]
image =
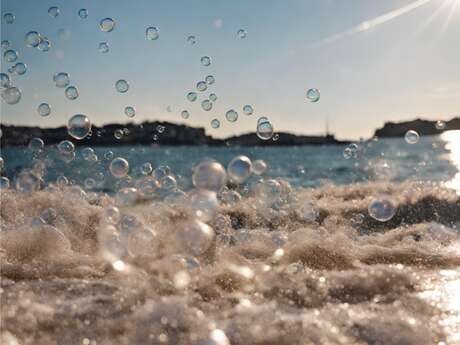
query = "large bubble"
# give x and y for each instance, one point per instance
(209, 175)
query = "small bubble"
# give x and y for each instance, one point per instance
(276, 137)
(206, 61)
(20, 68)
(241, 33)
(206, 105)
(5, 44)
(122, 86)
(44, 44)
(44, 109)
(36, 144)
(259, 167)
(152, 33)
(313, 95)
(265, 130)
(213, 97)
(130, 111)
(79, 126)
(9, 18)
(209, 175)
(4, 183)
(108, 155)
(441, 125)
(382, 209)
(239, 169)
(107, 24)
(201, 86)
(112, 214)
(231, 115)
(61, 79)
(83, 13)
(71, 93)
(146, 168)
(412, 137)
(185, 114)
(118, 134)
(215, 123)
(53, 11)
(11, 95)
(10, 55)
(32, 39)
(66, 147)
(191, 39)
(210, 80)
(192, 96)
(4, 80)
(248, 110)
(90, 183)
(160, 129)
(104, 47)
(119, 167)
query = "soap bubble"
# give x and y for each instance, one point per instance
(241, 33)
(230, 197)
(152, 33)
(213, 97)
(239, 169)
(9, 18)
(206, 61)
(44, 109)
(411, 137)
(231, 115)
(103, 47)
(44, 44)
(118, 134)
(265, 130)
(20, 68)
(191, 39)
(440, 125)
(259, 167)
(4, 80)
(83, 13)
(382, 209)
(197, 236)
(122, 86)
(71, 92)
(32, 39)
(53, 11)
(160, 128)
(147, 186)
(36, 144)
(130, 111)
(161, 171)
(90, 183)
(185, 114)
(61, 79)
(209, 175)
(4, 183)
(66, 147)
(192, 96)
(146, 168)
(6, 44)
(79, 126)
(210, 80)
(119, 167)
(111, 214)
(206, 105)
(204, 204)
(87, 153)
(201, 86)
(107, 24)
(108, 155)
(11, 95)
(313, 95)
(10, 55)
(27, 182)
(267, 191)
(168, 183)
(215, 123)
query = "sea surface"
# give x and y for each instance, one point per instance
(290, 257)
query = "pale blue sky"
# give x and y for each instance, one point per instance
(404, 68)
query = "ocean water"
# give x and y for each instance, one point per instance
(303, 263)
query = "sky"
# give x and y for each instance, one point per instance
(373, 61)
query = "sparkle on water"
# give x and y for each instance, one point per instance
(411, 137)
(206, 61)
(239, 169)
(231, 115)
(71, 92)
(313, 95)
(79, 126)
(122, 86)
(382, 208)
(107, 24)
(119, 167)
(44, 109)
(152, 33)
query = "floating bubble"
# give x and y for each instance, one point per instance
(9, 18)
(160, 128)
(201, 86)
(103, 47)
(10, 55)
(53, 11)
(209, 175)
(259, 167)
(44, 44)
(20, 68)
(4, 182)
(161, 171)
(230, 197)
(191, 39)
(185, 114)
(147, 186)
(27, 182)
(239, 169)
(197, 236)
(90, 183)
(32, 39)
(118, 134)
(267, 191)
(241, 33)
(152, 33)
(5, 44)
(119, 167)
(61, 79)
(206, 61)
(213, 97)
(168, 183)
(108, 155)
(62, 181)
(4, 80)
(441, 125)
(112, 214)
(79, 126)
(192, 96)
(348, 153)
(107, 24)
(215, 123)
(210, 80)
(276, 137)
(44, 109)
(130, 111)
(87, 153)
(11, 95)
(265, 130)
(71, 92)
(206, 105)
(66, 147)
(36, 144)
(248, 110)
(122, 86)
(382, 209)
(231, 115)
(313, 95)
(146, 168)
(411, 137)
(83, 13)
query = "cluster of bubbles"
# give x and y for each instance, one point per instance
(34, 39)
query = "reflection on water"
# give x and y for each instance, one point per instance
(452, 139)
